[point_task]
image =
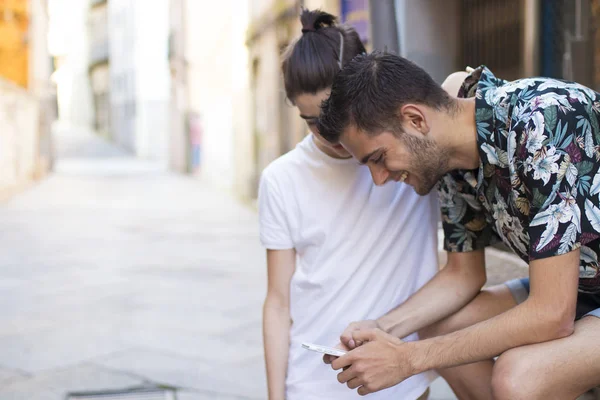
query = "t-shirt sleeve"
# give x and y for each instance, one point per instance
(273, 221)
(463, 218)
(556, 197)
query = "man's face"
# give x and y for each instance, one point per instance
(409, 157)
(309, 106)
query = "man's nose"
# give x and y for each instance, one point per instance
(380, 174)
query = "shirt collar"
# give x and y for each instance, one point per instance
(481, 83)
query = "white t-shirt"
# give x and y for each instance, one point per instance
(361, 251)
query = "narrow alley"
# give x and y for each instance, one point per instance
(116, 274)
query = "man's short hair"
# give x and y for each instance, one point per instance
(369, 92)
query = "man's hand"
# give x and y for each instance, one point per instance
(347, 342)
(381, 362)
(347, 337)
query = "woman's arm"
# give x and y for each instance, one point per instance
(276, 319)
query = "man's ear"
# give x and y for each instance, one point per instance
(413, 115)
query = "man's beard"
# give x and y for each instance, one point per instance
(429, 162)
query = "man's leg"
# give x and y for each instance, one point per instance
(473, 381)
(559, 369)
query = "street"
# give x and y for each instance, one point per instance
(115, 274)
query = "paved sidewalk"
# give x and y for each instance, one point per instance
(115, 274)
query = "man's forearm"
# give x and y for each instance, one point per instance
(519, 326)
(446, 293)
(276, 333)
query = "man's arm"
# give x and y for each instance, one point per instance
(547, 314)
(447, 292)
(276, 319)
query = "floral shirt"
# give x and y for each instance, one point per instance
(538, 184)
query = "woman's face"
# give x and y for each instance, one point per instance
(309, 106)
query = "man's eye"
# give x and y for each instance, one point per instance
(378, 160)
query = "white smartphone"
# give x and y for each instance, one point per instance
(324, 349)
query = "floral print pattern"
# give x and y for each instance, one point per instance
(538, 184)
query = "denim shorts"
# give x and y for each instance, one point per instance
(587, 304)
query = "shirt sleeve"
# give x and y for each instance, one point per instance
(463, 218)
(555, 205)
(273, 220)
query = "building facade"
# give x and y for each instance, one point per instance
(179, 142)
(99, 65)
(139, 76)
(68, 41)
(14, 49)
(209, 89)
(27, 98)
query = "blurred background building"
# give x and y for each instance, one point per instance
(515, 38)
(139, 76)
(196, 87)
(27, 99)
(99, 70)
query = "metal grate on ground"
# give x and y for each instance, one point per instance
(134, 394)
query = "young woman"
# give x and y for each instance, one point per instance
(339, 248)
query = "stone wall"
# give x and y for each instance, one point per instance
(19, 137)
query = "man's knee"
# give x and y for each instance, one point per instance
(513, 378)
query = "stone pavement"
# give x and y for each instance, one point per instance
(117, 274)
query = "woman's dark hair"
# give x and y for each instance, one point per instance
(312, 61)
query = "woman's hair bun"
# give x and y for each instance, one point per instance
(314, 20)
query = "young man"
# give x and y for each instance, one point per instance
(515, 161)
